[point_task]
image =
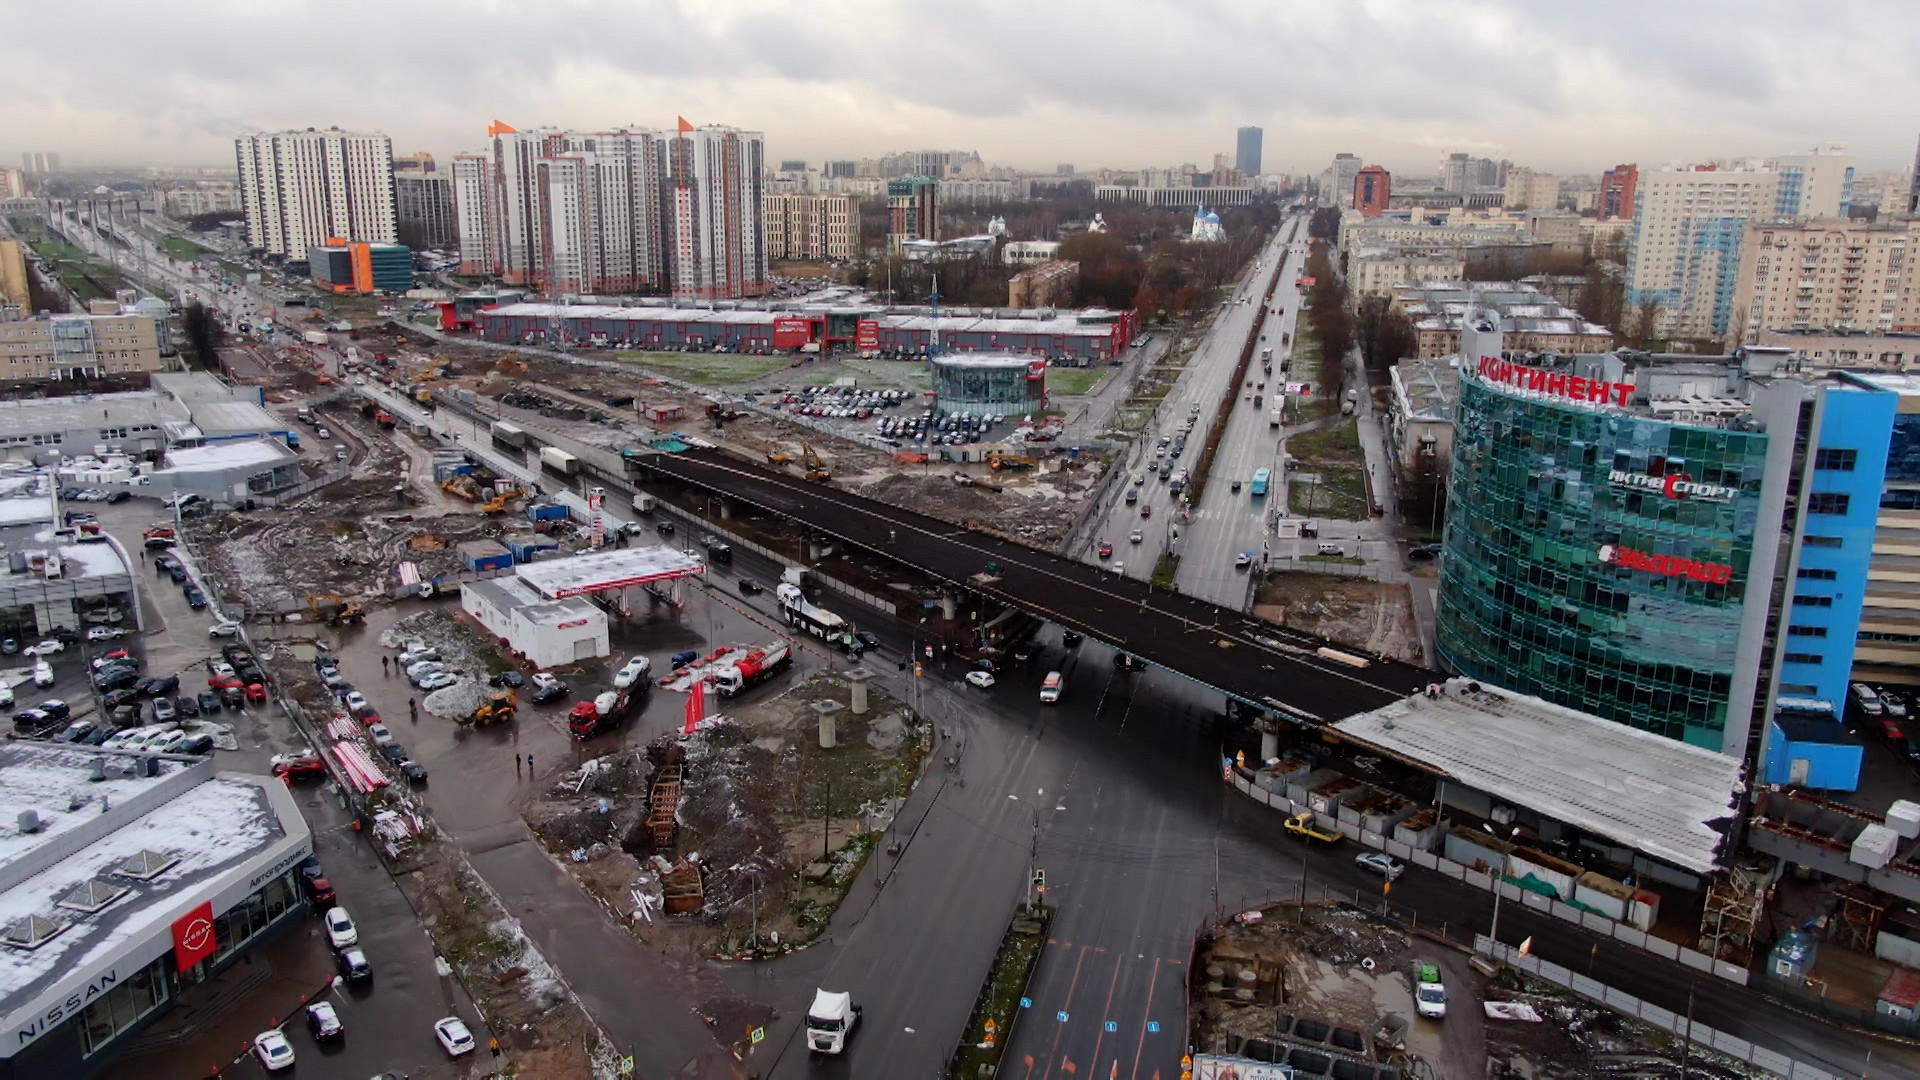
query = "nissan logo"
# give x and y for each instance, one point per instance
(197, 935)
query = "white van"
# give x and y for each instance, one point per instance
(1050, 689)
(1868, 701)
(1327, 548)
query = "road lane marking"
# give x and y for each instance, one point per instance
(1071, 985)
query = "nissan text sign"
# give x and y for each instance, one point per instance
(1677, 486)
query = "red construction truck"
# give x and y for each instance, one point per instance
(759, 665)
(603, 714)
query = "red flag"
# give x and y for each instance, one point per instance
(684, 126)
(696, 707)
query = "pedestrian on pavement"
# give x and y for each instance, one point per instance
(413, 710)
(529, 766)
(384, 669)
(516, 764)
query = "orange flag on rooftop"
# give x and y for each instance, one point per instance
(684, 126)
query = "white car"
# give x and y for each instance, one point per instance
(221, 670)
(223, 628)
(356, 702)
(1137, 535)
(1386, 866)
(635, 670)
(379, 734)
(981, 679)
(6, 696)
(42, 673)
(341, 933)
(104, 633)
(420, 669)
(273, 1050)
(46, 648)
(454, 1036)
(439, 680)
(1118, 568)
(540, 680)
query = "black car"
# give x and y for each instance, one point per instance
(118, 678)
(353, 965)
(1026, 651)
(866, 639)
(56, 708)
(118, 497)
(415, 772)
(195, 598)
(394, 752)
(310, 868)
(189, 706)
(664, 528)
(178, 573)
(76, 731)
(1072, 638)
(116, 698)
(32, 721)
(233, 697)
(509, 679)
(158, 685)
(63, 634)
(749, 587)
(195, 744)
(549, 693)
(208, 701)
(98, 735)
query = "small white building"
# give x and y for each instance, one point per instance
(545, 633)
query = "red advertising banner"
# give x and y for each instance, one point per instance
(866, 334)
(1036, 369)
(193, 939)
(791, 333)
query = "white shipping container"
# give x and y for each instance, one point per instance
(1874, 847)
(1903, 817)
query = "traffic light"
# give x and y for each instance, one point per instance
(1039, 879)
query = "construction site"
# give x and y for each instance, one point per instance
(1333, 989)
(1375, 615)
(741, 838)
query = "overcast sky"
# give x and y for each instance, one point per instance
(1562, 87)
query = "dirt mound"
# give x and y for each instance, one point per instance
(935, 496)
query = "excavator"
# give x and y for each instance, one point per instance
(462, 486)
(816, 468)
(777, 456)
(1010, 461)
(497, 709)
(498, 504)
(335, 610)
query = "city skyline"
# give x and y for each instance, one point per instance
(1438, 80)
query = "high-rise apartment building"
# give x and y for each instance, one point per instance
(14, 289)
(1684, 253)
(1617, 187)
(39, 163)
(839, 170)
(714, 192)
(1246, 150)
(1913, 190)
(473, 213)
(423, 210)
(1829, 273)
(565, 211)
(1336, 182)
(13, 183)
(812, 227)
(1371, 188)
(298, 188)
(1690, 223)
(1819, 184)
(419, 163)
(913, 211)
(1531, 190)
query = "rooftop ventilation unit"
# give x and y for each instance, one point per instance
(92, 896)
(29, 822)
(144, 865)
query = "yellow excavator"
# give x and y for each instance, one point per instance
(777, 456)
(497, 709)
(498, 504)
(1010, 461)
(335, 610)
(816, 468)
(461, 486)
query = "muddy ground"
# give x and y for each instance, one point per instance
(777, 825)
(1372, 615)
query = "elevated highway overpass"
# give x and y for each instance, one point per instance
(1270, 667)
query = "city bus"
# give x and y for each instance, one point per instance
(1260, 481)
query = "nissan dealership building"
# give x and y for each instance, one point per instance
(1622, 529)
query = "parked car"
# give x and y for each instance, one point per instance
(323, 1022)
(42, 673)
(164, 710)
(296, 766)
(188, 705)
(437, 681)
(353, 965)
(981, 679)
(341, 933)
(319, 890)
(454, 1036)
(209, 702)
(197, 743)
(223, 628)
(356, 702)
(46, 648)
(104, 633)
(415, 772)
(379, 734)
(273, 1050)
(508, 679)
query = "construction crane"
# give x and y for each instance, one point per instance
(816, 468)
(777, 456)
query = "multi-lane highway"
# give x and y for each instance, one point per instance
(1196, 394)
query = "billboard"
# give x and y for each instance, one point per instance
(791, 333)
(867, 334)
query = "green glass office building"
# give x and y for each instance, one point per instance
(1597, 554)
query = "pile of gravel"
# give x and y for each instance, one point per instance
(458, 701)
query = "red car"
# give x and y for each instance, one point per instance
(1146, 511)
(299, 766)
(369, 718)
(1106, 550)
(256, 692)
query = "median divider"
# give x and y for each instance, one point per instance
(1003, 994)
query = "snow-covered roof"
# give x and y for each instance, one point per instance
(137, 408)
(238, 454)
(1655, 795)
(26, 509)
(211, 837)
(217, 418)
(613, 568)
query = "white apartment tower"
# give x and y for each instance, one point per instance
(716, 212)
(299, 188)
(473, 213)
